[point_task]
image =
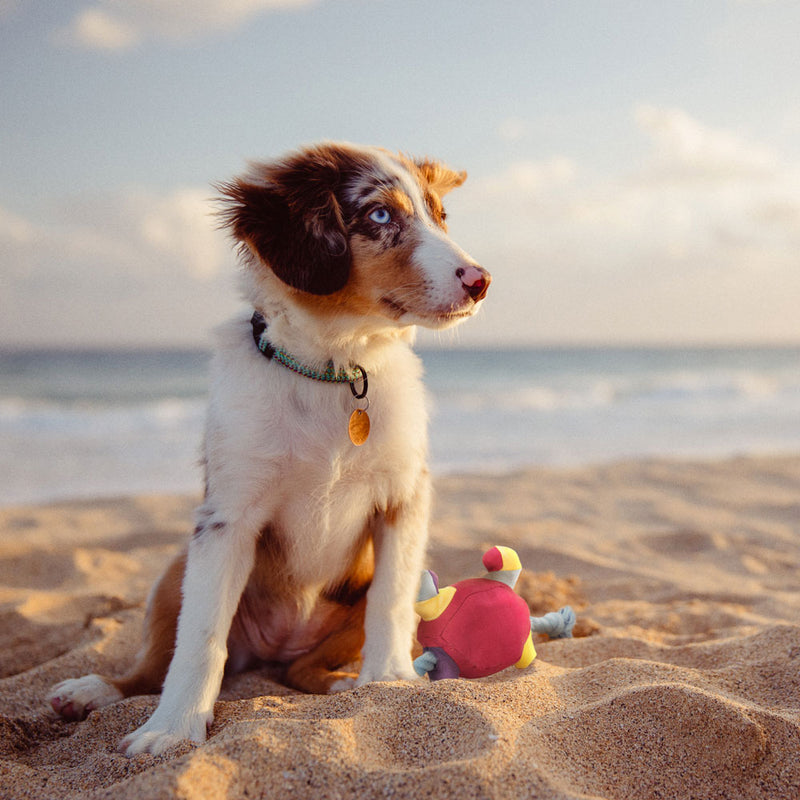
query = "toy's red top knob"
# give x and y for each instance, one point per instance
(493, 560)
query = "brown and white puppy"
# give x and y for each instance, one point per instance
(307, 547)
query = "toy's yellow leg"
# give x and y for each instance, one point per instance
(528, 654)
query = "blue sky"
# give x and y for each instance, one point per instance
(634, 166)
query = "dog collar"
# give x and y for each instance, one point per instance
(358, 427)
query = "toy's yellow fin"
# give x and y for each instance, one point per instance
(431, 608)
(528, 654)
(510, 558)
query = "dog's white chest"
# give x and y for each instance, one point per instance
(333, 486)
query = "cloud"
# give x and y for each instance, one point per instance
(136, 232)
(14, 229)
(698, 240)
(123, 24)
(530, 178)
(180, 227)
(695, 184)
(685, 149)
(96, 29)
(134, 266)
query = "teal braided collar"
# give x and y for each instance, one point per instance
(330, 374)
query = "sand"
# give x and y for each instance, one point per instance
(684, 681)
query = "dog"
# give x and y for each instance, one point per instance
(311, 535)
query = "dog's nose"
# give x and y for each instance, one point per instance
(475, 280)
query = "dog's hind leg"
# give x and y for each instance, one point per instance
(320, 670)
(74, 698)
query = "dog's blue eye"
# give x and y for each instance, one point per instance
(380, 215)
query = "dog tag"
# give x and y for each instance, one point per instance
(358, 428)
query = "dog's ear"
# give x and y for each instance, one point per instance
(440, 178)
(289, 216)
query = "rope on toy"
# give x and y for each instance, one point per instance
(556, 624)
(425, 663)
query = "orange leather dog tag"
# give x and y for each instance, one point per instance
(358, 428)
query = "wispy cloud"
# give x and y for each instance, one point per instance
(686, 149)
(695, 181)
(96, 29)
(531, 178)
(15, 229)
(145, 233)
(133, 267)
(123, 24)
(702, 233)
(180, 227)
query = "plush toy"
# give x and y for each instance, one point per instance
(480, 626)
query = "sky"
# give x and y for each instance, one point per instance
(634, 166)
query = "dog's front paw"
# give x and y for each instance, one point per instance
(159, 734)
(74, 698)
(154, 742)
(400, 670)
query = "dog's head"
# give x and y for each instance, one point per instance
(358, 229)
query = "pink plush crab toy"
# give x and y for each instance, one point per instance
(480, 626)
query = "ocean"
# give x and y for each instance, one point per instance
(95, 423)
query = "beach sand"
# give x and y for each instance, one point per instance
(684, 680)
